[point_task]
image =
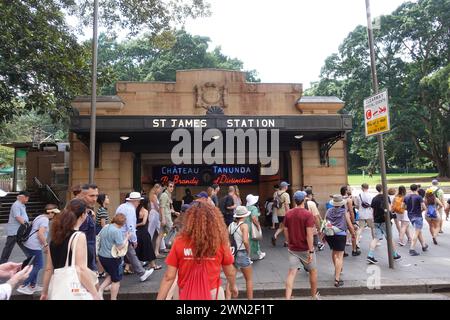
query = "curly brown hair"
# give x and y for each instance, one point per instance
(204, 229)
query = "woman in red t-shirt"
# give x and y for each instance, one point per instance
(204, 238)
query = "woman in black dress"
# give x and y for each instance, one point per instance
(144, 249)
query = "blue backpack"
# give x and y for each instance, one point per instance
(431, 211)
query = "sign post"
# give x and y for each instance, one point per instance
(377, 125)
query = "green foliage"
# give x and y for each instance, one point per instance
(41, 64)
(30, 126)
(157, 58)
(134, 16)
(6, 157)
(413, 56)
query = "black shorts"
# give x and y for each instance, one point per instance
(113, 266)
(337, 243)
(280, 219)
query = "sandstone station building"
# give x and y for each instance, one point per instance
(134, 130)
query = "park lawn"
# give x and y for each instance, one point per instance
(396, 179)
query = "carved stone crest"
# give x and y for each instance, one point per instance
(210, 94)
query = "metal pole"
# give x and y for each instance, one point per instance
(93, 95)
(380, 141)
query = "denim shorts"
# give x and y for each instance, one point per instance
(380, 230)
(416, 222)
(242, 260)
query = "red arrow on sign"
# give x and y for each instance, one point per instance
(382, 109)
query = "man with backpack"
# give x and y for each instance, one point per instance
(379, 220)
(17, 216)
(311, 206)
(281, 202)
(363, 201)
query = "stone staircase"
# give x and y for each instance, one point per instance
(35, 205)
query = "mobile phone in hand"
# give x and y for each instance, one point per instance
(28, 262)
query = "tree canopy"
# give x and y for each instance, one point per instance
(413, 63)
(148, 59)
(43, 66)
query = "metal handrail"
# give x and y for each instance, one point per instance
(53, 194)
(38, 183)
(47, 188)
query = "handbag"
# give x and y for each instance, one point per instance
(328, 229)
(118, 253)
(168, 240)
(256, 233)
(65, 283)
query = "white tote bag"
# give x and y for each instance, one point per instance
(64, 283)
(256, 233)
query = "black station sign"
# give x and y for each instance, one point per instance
(206, 175)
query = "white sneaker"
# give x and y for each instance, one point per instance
(25, 290)
(316, 297)
(36, 288)
(146, 274)
(262, 255)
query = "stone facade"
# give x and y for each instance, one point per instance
(192, 92)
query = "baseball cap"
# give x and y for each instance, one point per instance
(24, 193)
(284, 184)
(202, 194)
(308, 191)
(435, 182)
(299, 195)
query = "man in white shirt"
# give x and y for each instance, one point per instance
(363, 201)
(129, 210)
(17, 216)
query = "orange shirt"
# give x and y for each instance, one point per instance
(181, 257)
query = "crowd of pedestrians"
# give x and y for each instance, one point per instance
(146, 227)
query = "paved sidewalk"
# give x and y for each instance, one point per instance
(427, 273)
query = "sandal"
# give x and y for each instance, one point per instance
(157, 267)
(160, 256)
(338, 283)
(126, 271)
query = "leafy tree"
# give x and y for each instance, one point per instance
(41, 64)
(413, 55)
(149, 58)
(136, 15)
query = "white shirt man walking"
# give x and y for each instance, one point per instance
(129, 210)
(17, 216)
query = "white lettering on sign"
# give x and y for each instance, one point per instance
(251, 123)
(180, 123)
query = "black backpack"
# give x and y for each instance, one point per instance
(233, 244)
(278, 201)
(24, 232)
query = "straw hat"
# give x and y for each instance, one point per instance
(241, 212)
(134, 196)
(337, 201)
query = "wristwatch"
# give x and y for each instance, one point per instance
(311, 251)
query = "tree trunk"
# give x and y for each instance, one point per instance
(443, 168)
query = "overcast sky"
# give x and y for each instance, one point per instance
(284, 40)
